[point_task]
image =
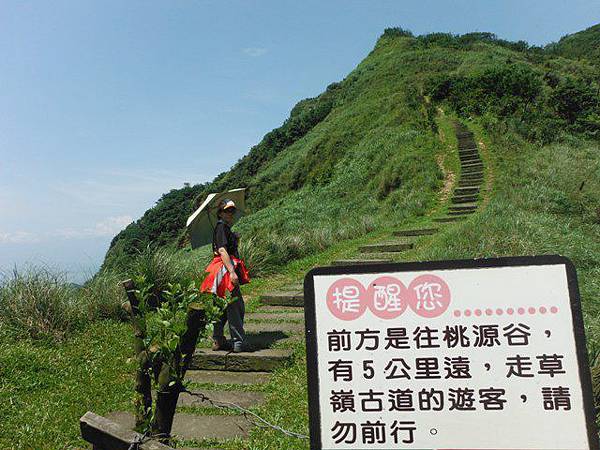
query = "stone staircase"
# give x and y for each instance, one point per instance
(466, 195)
(241, 375)
(280, 319)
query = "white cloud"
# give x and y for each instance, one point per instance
(18, 237)
(107, 227)
(255, 51)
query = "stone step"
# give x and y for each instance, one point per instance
(466, 190)
(288, 328)
(468, 151)
(468, 167)
(356, 262)
(196, 427)
(280, 309)
(375, 255)
(284, 317)
(470, 174)
(469, 184)
(367, 258)
(464, 198)
(415, 232)
(472, 178)
(264, 335)
(447, 219)
(463, 208)
(265, 360)
(474, 167)
(386, 247)
(245, 399)
(462, 133)
(470, 160)
(461, 213)
(471, 171)
(225, 377)
(292, 298)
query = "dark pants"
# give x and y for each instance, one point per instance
(234, 314)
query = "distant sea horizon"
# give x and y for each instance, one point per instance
(77, 260)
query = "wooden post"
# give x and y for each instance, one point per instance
(168, 374)
(170, 379)
(143, 385)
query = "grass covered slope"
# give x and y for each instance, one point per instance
(364, 151)
(544, 200)
(357, 152)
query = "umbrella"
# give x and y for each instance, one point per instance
(202, 223)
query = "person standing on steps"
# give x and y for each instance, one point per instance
(226, 272)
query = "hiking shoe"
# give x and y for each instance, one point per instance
(239, 347)
(220, 344)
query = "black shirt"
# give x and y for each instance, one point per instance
(224, 237)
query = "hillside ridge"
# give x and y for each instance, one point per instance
(531, 88)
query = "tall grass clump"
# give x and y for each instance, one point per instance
(39, 303)
(159, 267)
(265, 253)
(102, 297)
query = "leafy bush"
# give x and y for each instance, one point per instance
(578, 104)
(503, 89)
(396, 32)
(538, 107)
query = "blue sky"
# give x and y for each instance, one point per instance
(106, 105)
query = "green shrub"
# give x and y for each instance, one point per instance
(577, 103)
(396, 32)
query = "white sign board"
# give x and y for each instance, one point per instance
(476, 354)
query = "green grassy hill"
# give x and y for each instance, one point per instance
(364, 151)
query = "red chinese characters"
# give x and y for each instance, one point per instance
(387, 297)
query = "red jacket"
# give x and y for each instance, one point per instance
(218, 280)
